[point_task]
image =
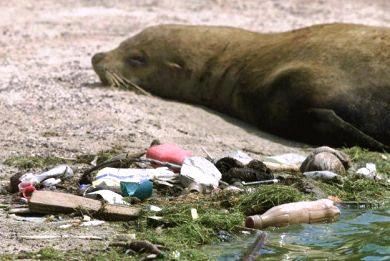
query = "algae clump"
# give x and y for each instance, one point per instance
(266, 197)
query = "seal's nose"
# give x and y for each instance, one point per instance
(97, 58)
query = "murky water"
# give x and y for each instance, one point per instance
(357, 235)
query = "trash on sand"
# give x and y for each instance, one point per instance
(286, 162)
(110, 178)
(86, 218)
(232, 170)
(94, 161)
(323, 175)
(19, 211)
(83, 189)
(26, 189)
(194, 214)
(208, 155)
(141, 189)
(92, 223)
(239, 156)
(168, 152)
(65, 226)
(109, 196)
(60, 171)
(50, 182)
(154, 208)
(85, 222)
(286, 159)
(199, 170)
(295, 213)
(369, 172)
(50, 202)
(326, 158)
(233, 189)
(277, 167)
(195, 187)
(28, 219)
(172, 166)
(262, 182)
(155, 221)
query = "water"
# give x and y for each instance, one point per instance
(357, 235)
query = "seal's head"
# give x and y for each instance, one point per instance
(146, 60)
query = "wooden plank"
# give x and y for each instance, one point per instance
(50, 202)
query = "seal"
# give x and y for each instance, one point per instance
(324, 84)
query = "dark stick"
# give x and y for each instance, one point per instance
(254, 249)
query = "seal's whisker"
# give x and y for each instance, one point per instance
(128, 83)
(109, 77)
(120, 80)
(114, 81)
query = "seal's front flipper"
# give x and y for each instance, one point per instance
(330, 129)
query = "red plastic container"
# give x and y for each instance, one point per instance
(168, 153)
(26, 189)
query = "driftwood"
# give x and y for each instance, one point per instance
(50, 237)
(19, 211)
(140, 246)
(49, 202)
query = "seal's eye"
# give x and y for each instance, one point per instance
(136, 61)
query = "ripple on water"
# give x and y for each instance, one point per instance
(358, 234)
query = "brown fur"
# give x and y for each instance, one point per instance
(324, 84)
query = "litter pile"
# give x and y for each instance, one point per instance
(118, 189)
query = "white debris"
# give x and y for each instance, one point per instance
(240, 156)
(323, 175)
(199, 170)
(194, 214)
(288, 159)
(369, 172)
(108, 195)
(110, 178)
(51, 182)
(92, 223)
(60, 171)
(154, 208)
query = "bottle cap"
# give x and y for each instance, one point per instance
(254, 222)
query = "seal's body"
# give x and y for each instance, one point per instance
(324, 84)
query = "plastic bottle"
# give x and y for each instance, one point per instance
(60, 171)
(295, 213)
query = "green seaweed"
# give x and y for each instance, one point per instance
(32, 162)
(360, 157)
(266, 197)
(358, 189)
(102, 155)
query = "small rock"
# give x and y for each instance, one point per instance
(224, 236)
(323, 175)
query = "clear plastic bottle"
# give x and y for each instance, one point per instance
(295, 213)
